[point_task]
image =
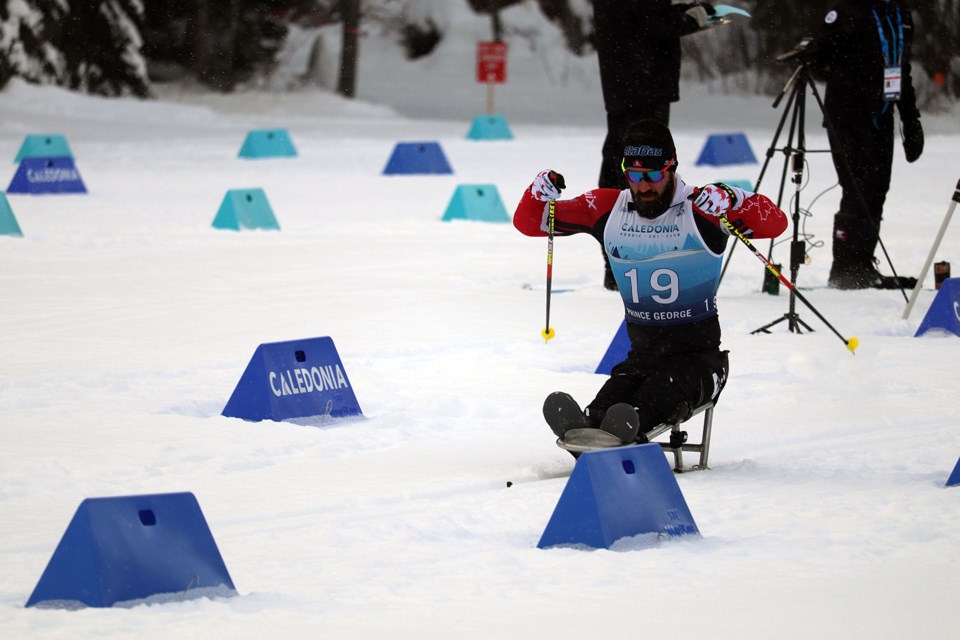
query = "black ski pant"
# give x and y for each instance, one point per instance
(663, 388)
(862, 150)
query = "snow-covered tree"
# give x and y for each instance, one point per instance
(222, 43)
(87, 45)
(936, 49)
(100, 40)
(24, 49)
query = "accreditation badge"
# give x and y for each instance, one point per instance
(891, 84)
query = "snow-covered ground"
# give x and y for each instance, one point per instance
(127, 320)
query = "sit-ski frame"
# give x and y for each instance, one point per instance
(578, 441)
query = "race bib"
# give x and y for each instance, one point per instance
(891, 84)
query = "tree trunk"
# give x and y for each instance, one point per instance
(347, 84)
(228, 70)
(200, 26)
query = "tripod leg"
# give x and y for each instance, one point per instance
(796, 154)
(771, 150)
(766, 328)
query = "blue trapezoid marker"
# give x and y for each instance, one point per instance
(294, 379)
(44, 145)
(616, 493)
(616, 352)
(8, 221)
(41, 176)
(490, 127)
(954, 478)
(127, 548)
(723, 149)
(245, 209)
(267, 143)
(410, 158)
(944, 311)
(476, 202)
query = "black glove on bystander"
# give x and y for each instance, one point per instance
(912, 134)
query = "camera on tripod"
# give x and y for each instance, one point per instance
(799, 53)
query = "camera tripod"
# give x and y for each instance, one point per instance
(794, 157)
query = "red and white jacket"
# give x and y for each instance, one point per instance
(667, 268)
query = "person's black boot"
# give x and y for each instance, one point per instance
(854, 241)
(622, 421)
(563, 413)
(846, 275)
(880, 281)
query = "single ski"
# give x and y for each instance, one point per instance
(576, 433)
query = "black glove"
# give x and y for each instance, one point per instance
(912, 134)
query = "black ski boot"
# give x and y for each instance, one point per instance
(563, 413)
(880, 281)
(621, 420)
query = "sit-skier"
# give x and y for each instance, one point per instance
(665, 243)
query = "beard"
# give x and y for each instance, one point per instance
(651, 208)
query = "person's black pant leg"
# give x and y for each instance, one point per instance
(662, 388)
(611, 175)
(862, 155)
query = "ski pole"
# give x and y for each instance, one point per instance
(852, 343)
(548, 333)
(933, 250)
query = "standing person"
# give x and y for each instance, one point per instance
(863, 50)
(638, 50)
(665, 243)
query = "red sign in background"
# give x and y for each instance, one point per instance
(492, 62)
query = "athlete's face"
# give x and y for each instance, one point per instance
(650, 199)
